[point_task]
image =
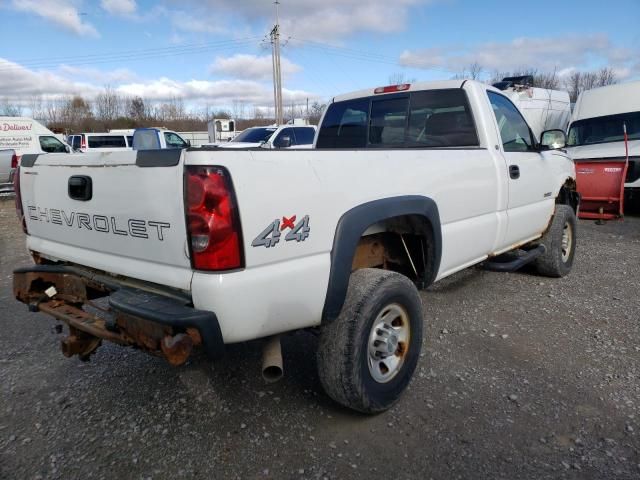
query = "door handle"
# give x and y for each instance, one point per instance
(80, 188)
(514, 171)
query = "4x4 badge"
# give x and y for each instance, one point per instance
(270, 236)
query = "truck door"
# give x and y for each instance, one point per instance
(531, 199)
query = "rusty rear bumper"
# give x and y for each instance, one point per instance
(98, 308)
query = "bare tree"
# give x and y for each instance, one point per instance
(108, 104)
(578, 81)
(10, 109)
(400, 78)
(474, 71)
(36, 106)
(76, 113)
(315, 112)
(606, 76)
(136, 109)
(239, 108)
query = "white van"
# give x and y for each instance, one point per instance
(26, 135)
(544, 109)
(597, 130)
(104, 142)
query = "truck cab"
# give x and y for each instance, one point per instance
(157, 138)
(597, 129)
(273, 137)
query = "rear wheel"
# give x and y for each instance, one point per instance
(560, 243)
(367, 356)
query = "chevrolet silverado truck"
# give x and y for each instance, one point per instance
(170, 251)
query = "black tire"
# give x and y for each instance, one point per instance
(343, 351)
(558, 259)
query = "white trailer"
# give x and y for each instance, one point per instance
(544, 109)
(221, 130)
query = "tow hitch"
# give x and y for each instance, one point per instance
(158, 324)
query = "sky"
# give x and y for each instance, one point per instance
(216, 53)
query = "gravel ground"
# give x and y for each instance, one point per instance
(520, 377)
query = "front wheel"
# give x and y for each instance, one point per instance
(367, 356)
(560, 243)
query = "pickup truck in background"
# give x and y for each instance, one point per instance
(157, 139)
(283, 136)
(8, 165)
(197, 248)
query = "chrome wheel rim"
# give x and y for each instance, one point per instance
(567, 241)
(388, 343)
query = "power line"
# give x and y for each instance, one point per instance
(131, 55)
(366, 56)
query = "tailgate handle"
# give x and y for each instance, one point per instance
(80, 188)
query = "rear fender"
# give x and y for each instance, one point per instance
(355, 222)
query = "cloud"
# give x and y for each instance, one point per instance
(307, 19)
(195, 23)
(564, 54)
(19, 84)
(252, 67)
(62, 13)
(104, 77)
(220, 91)
(119, 7)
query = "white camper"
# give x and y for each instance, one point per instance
(26, 135)
(597, 128)
(544, 109)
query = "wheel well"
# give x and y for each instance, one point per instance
(569, 195)
(403, 217)
(403, 244)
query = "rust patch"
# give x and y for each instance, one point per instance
(87, 329)
(370, 252)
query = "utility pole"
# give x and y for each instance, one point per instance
(277, 75)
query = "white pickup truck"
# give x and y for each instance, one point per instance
(199, 248)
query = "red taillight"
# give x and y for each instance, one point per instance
(393, 88)
(83, 141)
(16, 189)
(15, 160)
(212, 219)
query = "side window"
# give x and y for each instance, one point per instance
(75, 142)
(345, 125)
(146, 140)
(280, 141)
(106, 141)
(514, 131)
(130, 141)
(52, 145)
(441, 118)
(388, 120)
(304, 135)
(174, 141)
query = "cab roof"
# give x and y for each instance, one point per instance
(413, 87)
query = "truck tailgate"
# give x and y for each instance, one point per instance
(122, 212)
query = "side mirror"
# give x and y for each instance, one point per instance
(284, 142)
(266, 145)
(67, 148)
(553, 139)
(188, 143)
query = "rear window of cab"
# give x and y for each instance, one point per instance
(429, 118)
